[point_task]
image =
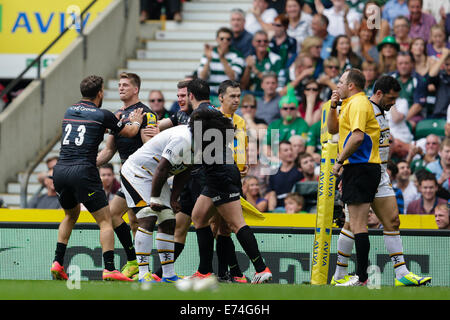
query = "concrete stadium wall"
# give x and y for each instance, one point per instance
(27, 126)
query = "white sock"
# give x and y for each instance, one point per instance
(344, 251)
(166, 248)
(393, 243)
(143, 245)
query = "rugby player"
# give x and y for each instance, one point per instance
(129, 87)
(76, 177)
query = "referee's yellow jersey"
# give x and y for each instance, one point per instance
(357, 113)
(240, 141)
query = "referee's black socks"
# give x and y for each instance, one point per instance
(248, 242)
(226, 255)
(108, 259)
(362, 246)
(60, 252)
(124, 235)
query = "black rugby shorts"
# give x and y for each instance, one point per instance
(360, 182)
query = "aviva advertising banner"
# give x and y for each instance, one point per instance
(27, 251)
(28, 27)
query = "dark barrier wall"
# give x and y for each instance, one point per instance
(27, 251)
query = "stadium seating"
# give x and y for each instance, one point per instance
(429, 126)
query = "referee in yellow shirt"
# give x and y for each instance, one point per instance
(359, 157)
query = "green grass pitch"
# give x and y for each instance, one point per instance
(102, 290)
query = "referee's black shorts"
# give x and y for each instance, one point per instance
(223, 184)
(79, 184)
(360, 182)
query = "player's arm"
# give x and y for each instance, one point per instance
(108, 151)
(353, 143)
(179, 182)
(148, 133)
(159, 179)
(165, 124)
(132, 128)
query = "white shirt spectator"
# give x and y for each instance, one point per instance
(302, 30)
(400, 129)
(251, 23)
(336, 24)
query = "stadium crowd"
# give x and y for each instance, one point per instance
(289, 56)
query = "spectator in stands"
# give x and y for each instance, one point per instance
(299, 22)
(294, 203)
(319, 26)
(441, 215)
(404, 183)
(329, 79)
(388, 50)
(399, 129)
(367, 43)
(418, 159)
(370, 71)
(372, 16)
(262, 61)
(307, 166)
(48, 200)
(342, 18)
(426, 204)
(312, 46)
(259, 167)
(437, 42)
(268, 105)
(394, 8)
(440, 78)
(422, 63)
(310, 107)
(260, 17)
(256, 127)
(303, 69)
(392, 171)
(221, 62)
(313, 145)
(281, 183)
(421, 22)
(372, 220)
(401, 32)
(51, 161)
(156, 103)
(252, 193)
(106, 172)
(288, 125)
(2, 204)
(441, 166)
(282, 44)
(437, 9)
(342, 50)
(152, 9)
(413, 89)
(242, 39)
(298, 144)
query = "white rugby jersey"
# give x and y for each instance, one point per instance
(173, 144)
(384, 135)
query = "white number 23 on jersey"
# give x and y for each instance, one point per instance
(79, 139)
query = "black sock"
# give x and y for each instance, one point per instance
(362, 245)
(205, 239)
(108, 259)
(178, 249)
(60, 252)
(248, 242)
(222, 258)
(124, 235)
(233, 265)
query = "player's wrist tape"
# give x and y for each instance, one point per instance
(156, 200)
(335, 107)
(137, 123)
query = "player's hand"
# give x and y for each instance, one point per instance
(244, 171)
(137, 115)
(157, 207)
(151, 131)
(176, 207)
